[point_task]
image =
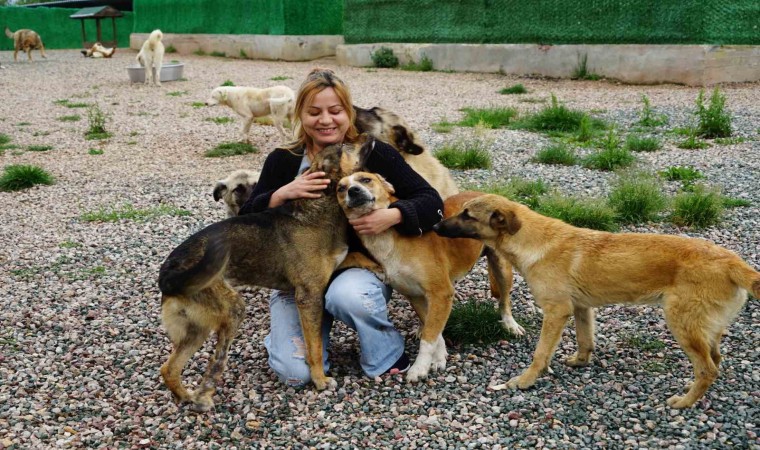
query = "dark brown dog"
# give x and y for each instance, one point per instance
(572, 270)
(424, 268)
(25, 40)
(296, 246)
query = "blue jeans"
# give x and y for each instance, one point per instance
(357, 298)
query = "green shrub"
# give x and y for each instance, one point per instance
(39, 148)
(692, 142)
(425, 65)
(231, 149)
(464, 154)
(18, 177)
(170, 49)
(637, 197)
(227, 83)
(558, 153)
(514, 89)
(581, 71)
(474, 323)
(444, 126)
(72, 118)
(520, 190)
(220, 120)
(699, 208)
(97, 123)
(95, 151)
(648, 118)
(129, 212)
(218, 54)
(681, 173)
(636, 143)
(488, 117)
(611, 156)
(4, 139)
(585, 213)
(714, 121)
(556, 118)
(384, 57)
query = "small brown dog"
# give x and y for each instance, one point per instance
(25, 40)
(424, 268)
(571, 270)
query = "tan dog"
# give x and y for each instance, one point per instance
(391, 128)
(98, 51)
(277, 102)
(151, 56)
(572, 270)
(235, 189)
(423, 268)
(25, 40)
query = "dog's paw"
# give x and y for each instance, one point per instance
(512, 326)
(201, 402)
(417, 372)
(521, 382)
(678, 402)
(576, 361)
(327, 383)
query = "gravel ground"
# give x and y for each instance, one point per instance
(80, 335)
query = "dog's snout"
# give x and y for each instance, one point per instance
(437, 227)
(354, 190)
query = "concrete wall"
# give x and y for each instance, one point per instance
(255, 46)
(695, 65)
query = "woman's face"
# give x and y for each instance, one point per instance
(325, 120)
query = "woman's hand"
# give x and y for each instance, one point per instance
(308, 185)
(377, 221)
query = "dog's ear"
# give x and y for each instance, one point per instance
(404, 140)
(366, 149)
(505, 221)
(385, 184)
(219, 190)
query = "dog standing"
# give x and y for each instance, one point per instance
(296, 246)
(25, 40)
(235, 189)
(424, 268)
(151, 56)
(277, 102)
(571, 270)
(389, 127)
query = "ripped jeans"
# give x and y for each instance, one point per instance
(357, 298)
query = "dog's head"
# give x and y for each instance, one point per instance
(487, 218)
(340, 160)
(218, 97)
(362, 192)
(235, 189)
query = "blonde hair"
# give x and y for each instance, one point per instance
(317, 81)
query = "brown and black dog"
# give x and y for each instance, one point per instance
(571, 270)
(424, 268)
(25, 40)
(296, 246)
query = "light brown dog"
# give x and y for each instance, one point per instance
(25, 40)
(98, 51)
(235, 189)
(250, 103)
(389, 127)
(423, 268)
(572, 270)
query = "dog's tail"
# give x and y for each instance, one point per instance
(194, 264)
(745, 276)
(8, 33)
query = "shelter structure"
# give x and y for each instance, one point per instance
(98, 13)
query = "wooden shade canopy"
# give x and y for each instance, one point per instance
(98, 13)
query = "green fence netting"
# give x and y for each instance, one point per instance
(276, 17)
(553, 21)
(57, 30)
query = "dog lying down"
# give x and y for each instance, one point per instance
(98, 51)
(424, 268)
(701, 286)
(277, 102)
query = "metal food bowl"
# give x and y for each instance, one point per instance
(169, 72)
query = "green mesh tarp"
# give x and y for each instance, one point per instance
(57, 30)
(276, 17)
(553, 21)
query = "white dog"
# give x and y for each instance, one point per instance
(151, 57)
(235, 189)
(98, 51)
(277, 102)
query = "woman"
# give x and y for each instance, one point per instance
(325, 116)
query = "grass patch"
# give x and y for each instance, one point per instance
(23, 124)
(219, 54)
(637, 143)
(582, 72)
(68, 104)
(714, 120)
(20, 176)
(129, 212)
(729, 202)
(69, 244)
(692, 141)
(39, 148)
(227, 83)
(97, 124)
(645, 343)
(197, 104)
(464, 155)
(199, 52)
(384, 57)
(72, 118)
(532, 100)
(611, 156)
(176, 93)
(425, 65)
(170, 49)
(637, 197)
(4, 139)
(729, 141)
(699, 208)
(488, 117)
(474, 323)
(648, 118)
(231, 149)
(281, 78)
(220, 120)
(514, 89)
(558, 153)
(584, 213)
(556, 118)
(444, 126)
(681, 173)
(243, 54)
(527, 192)
(95, 151)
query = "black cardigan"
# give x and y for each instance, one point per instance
(420, 205)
